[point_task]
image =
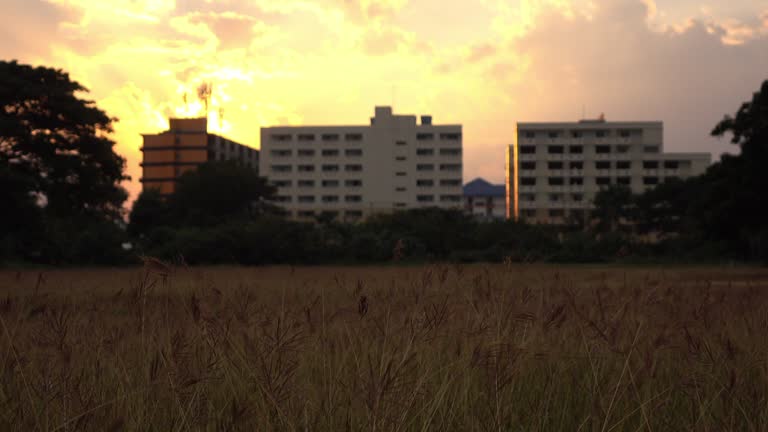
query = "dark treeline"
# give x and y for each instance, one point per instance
(63, 204)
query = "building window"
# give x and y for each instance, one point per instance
(555, 149)
(400, 158)
(330, 183)
(283, 199)
(576, 181)
(281, 183)
(556, 181)
(425, 183)
(528, 181)
(602, 165)
(625, 133)
(650, 165)
(281, 168)
(450, 152)
(554, 134)
(450, 198)
(353, 152)
(453, 136)
(330, 137)
(577, 197)
(528, 165)
(624, 181)
(399, 189)
(353, 213)
(555, 197)
(401, 143)
(623, 165)
(556, 213)
(622, 149)
(576, 134)
(425, 167)
(306, 137)
(425, 136)
(281, 137)
(576, 149)
(527, 197)
(306, 183)
(555, 165)
(330, 168)
(280, 153)
(353, 198)
(353, 137)
(450, 167)
(400, 174)
(528, 213)
(603, 181)
(330, 198)
(353, 168)
(330, 152)
(576, 165)
(527, 149)
(601, 134)
(425, 198)
(306, 168)
(306, 198)
(671, 164)
(650, 181)
(450, 182)
(668, 179)
(306, 152)
(305, 213)
(530, 134)
(425, 152)
(602, 149)
(353, 183)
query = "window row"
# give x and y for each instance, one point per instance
(600, 165)
(323, 198)
(312, 213)
(311, 168)
(311, 152)
(600, 133)
(328, 137)
(312, 183)
(443, 167)
(577, 197)
(579, 149)
(443, 182)
(443, 152)
(443, 198)
(428, 136)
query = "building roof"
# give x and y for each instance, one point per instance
(480, 187)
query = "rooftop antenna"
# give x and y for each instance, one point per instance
(204, 92)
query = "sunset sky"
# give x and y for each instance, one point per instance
(483, 63)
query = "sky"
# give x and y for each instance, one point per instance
(485, 64)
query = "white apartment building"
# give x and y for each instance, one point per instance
(350, 172)
(554, 170)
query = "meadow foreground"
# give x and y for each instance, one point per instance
(440, 347)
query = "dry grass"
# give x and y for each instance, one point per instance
(466, 348)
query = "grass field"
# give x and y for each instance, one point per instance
(454, 348)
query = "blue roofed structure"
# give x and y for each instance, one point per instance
(481, 188)
(484, 200)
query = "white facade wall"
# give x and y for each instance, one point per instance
(486, 207)
(556, 169)
(350, 172)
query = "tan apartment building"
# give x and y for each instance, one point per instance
(554, 170)
(349, 172)
(184, 146)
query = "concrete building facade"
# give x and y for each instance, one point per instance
(484, 200)
(187, 144)
(350, 172)
(554, 170)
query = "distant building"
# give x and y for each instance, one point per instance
(554, 170)
(484, 200)
(349, 172)
(183, 147)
